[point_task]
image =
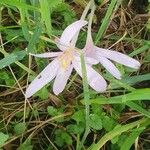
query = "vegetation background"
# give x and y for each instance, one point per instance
(119, 117)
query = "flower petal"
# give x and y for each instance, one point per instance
(69, 33)
(61, 80)
(91, 61)
(118, 57)
(95, 80)
(110, 67)
(88, 60)
(43, 78)
(47, 55)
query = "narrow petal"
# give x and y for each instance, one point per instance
(43, 78)
(61, 80)
(88, 60)
(91, 61)
(69, 33)
(47, 55)
(95, 80)
(89, 48)
(110, 67)
(118, 57)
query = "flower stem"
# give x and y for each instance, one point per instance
(84, 75)
(86, 100)
(89, 33)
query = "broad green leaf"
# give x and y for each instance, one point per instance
(20, 128)
(3, 138)
(43, 93)
(108, 123)
(95, 122)
(79, 116)
(67, 138)
(11, 58)
(62, 138)
(26, 145)
(75, 129)
(52, 111)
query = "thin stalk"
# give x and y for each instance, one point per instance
(86, 99)
(85, 82)
(89, 32)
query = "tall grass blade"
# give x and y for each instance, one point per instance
(106, 21)
(46, 15)
(115, 132)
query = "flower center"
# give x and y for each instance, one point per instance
(66, 58)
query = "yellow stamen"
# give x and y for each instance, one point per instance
(66, 58)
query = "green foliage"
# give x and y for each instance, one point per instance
(55, 112)
(46, 15)
(75, 128)
(7, 78)
(3, 138)
(79, 116)
(30, 26)
(11, 58)
(52, 111)
(43, 93)
(11, 34)
(126, 143)
(34, 39)
(135, 95)
(106, 20)
(64, 14)
(95, 122)
(62, 138)
(26, 145)
(20, 128)
(117, 131)
(108, 123)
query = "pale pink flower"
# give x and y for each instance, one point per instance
(64, 62)
(105, 56)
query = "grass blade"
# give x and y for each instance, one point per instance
(138, 108)
(130, 81)
(131, 139)
(46, 15)
(117, 131)
(11, 58)
(34, 39)
(19, 4)
(140, 94)
(106, 21)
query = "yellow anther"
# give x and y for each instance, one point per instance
(65, 59)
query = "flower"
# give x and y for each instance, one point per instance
(105, 56)
(64, 62)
